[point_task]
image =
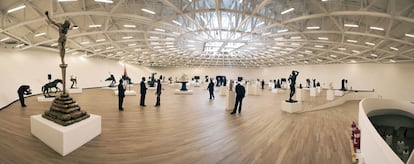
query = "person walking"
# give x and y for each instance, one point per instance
(143, 92)
(158, 92)
(240, 92)
(263, 83)
(211, 89)
(121, 94)
(23, 90)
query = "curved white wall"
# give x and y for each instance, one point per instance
(31, 67)
(374, 149)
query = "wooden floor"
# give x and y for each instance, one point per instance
(188, 129)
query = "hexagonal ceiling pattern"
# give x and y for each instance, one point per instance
(210, 33)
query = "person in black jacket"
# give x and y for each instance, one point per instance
(158, 92)
(143, 92)
(121, 95)
(23, 90)
(263, 83)
(211, 89)
(240, 91)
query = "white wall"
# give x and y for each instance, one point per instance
(31, 67)
(394, 81)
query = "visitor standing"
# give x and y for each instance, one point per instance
(158, 92)
(121, 95)
(211, 89)
(240, 92)
(143, 92)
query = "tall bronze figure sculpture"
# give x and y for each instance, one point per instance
(64, 109)
(292, 80)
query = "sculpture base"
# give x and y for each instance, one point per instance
(180, 92)
(74, 90)
(223, 91)
(312, 92)
(339, 93)
(127, 93)
(111, 88)
(299, 95)
(291, 107)
(330, 95)
(230, 99)
(45, 99)
(65, 139)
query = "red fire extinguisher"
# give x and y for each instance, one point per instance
(357, 138)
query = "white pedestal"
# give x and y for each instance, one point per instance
(113, 88)
(319, 89)
(65, 139)
(278, 90)
(151, 88)
(299, 95)
(45, 99)
(339, 93)
(271, 85)
(178, 92)
(330, 95)
(75, 90)
(223, 91)
(291, 107)
(230, 100)
(197, 84)
(127, 93)
(312, 91)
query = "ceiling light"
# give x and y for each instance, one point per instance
(280, 38)
(318, 46)
(267, 33)
(374, 55)
(16, 8)
(148, 11)
(84, 42)
(74, 53)
(120, 52)
(319, 60)
(376, 28)
(98, 50)
(342, 49)
(127, 37)
(295, 37)
(284, 30)
(4, 39)
(352, 41)
(306, 62)
(129, 26)
(295, 44)
(351, 25)
(154, 37)
(189, 28)
(158, 29)
(322, 38)
(176, 33)
(356, 51)
(313, 28)
(369, 43)
(276, 47)
(410, 35)
(391, 60)
(20, 45)
(177, 23)
(300, 55)
(324, 0)
(54, 44)
(104, 1)
(259, 24)
(334, 56)
(353, 61)
(288, 10)
(133, 44)
(67, 0)
(109, 47)
(393, 48)
(307, 51)
(169, 38)
(100, 40)
(95, 25)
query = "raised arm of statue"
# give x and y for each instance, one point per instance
(51, 21)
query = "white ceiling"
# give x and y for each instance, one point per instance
(237, 33)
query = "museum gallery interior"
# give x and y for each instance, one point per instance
(207, 81)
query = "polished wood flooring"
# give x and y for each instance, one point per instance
(188, 129)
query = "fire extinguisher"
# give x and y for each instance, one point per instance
(357, 138)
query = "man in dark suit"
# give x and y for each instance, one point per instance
(121, 95)
(240, 91)
(158, 92)
(143, 92)
(211, 88)
(23, 90)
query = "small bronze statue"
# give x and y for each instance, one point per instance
(48, 86)
(292, 80)
(112, 79)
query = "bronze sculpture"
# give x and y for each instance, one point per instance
(112, 79)
(64, 110)
(48, 86)
(292, 80)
